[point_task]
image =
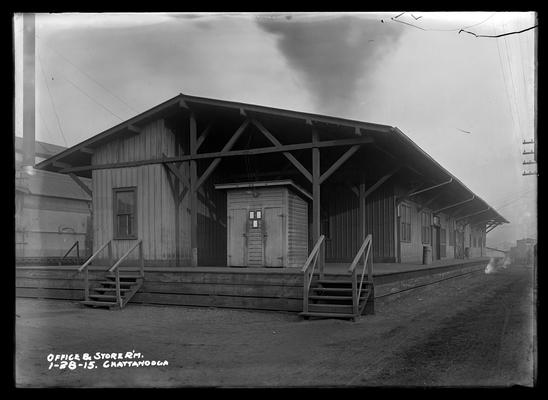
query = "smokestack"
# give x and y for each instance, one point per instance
(28, 90)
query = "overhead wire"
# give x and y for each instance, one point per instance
(88, 75)
(51, 98)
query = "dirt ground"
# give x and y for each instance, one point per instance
(476, 330)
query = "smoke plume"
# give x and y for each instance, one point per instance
(335, 56)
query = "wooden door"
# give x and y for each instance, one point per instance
(236, 238)
(274, 237)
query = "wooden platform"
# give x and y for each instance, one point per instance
(277, 289)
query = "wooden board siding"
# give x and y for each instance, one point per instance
(155, 204)
(275, 291)
(297, 230)
(344, 232)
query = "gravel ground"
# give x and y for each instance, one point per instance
(476, 330)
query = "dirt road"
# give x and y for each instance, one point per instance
(476, 330)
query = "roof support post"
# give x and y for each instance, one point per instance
(193, 193)
(316, 197)
(362, 207)
(174, 186)
(454, 205)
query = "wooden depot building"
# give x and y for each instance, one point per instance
(199, 182)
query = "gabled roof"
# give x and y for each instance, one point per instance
(388, 137)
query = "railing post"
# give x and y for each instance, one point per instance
(370, 267)
(141, 259)
(305, 293)
(354, 293)
(118, 294)
(86, 285)
(78, 250)
(110, 259)
(322, 258)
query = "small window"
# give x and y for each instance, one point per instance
(125, 221)
(405, 223)
(254, 217)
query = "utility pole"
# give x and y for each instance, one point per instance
(535, 102)
(29, 106)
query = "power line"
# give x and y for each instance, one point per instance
(89, 76)
(440, 30)
(91, 98)
(500, 35)
(51, 99)
(46, 125)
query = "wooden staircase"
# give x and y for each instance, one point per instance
(346, 298)
(105, 295)
(117, 289)
(333, 299)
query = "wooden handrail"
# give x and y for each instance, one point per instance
(312, 253)
(310, 261)
(84, 267)
(117, 270)
(93, 256)
(360, 252)
(368, 261)
(115, 266)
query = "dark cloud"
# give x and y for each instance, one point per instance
(333, 55)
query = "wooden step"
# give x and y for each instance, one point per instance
(331, 308)
(326, 297)
(104, 289)
(327, 315)
(110, 283)
(334, 282)
(94, 303)
(113, 276)
(103, 296)
(332, 290)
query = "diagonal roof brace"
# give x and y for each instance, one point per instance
(476, 213)
(455, 204)
(430, 188)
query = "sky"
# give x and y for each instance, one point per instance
(467, 101)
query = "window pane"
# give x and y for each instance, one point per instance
(251, 214)
(122, 225)
(258, 215)
(124, 202)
